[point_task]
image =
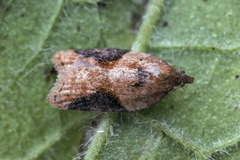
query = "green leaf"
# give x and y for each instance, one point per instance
(198, 121)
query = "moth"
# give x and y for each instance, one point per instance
(111, 80)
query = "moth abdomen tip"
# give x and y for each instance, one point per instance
(190, 79)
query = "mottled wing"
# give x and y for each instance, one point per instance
(79, 86)
(65, 59)
(111, 80)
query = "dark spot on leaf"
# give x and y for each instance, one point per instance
(48, 72)
(5, 37)
(2, 48)
(78, 28)
(165, 24)
(135, 21)
(235, 109)
(22, 15)
(237, 76)
(101, 5)
(213, 48)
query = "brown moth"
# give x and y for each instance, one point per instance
(111, 80)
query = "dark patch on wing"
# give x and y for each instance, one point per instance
(142, 75)
(55, 98)
(137, 85)
(102, 55)
(97, 102)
